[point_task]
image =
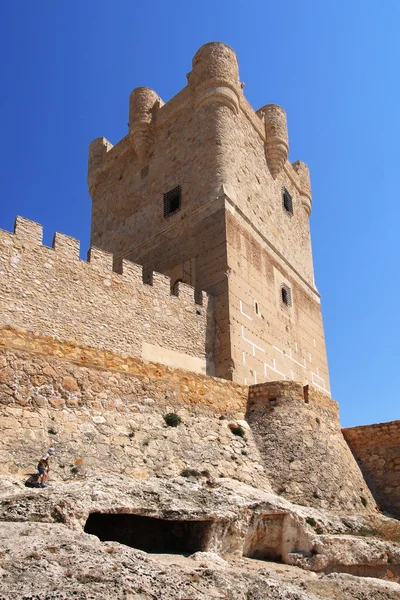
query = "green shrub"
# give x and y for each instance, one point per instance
(237, 430)
(52, 431)
(172, 419)
(311, 521)
(195, 473)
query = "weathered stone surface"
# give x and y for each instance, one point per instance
(52, 292)
(377, 450)
(114, 419)
(306, 458)
(110, 410)
(50, 525)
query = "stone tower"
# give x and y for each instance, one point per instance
(201, 189)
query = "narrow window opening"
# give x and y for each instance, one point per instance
(287, 201)
(286, 295)
(256, 308)
(172, 201)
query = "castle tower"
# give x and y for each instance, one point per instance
(201, 189)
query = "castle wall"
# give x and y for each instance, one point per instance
(270, 340)
(377, 450)
(104, 414)
(52, 292)
(306, 457)
(200, 240)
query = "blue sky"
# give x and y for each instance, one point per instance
(67, 69)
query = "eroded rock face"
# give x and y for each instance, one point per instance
(46, 555)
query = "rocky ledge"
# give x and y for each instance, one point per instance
(204, 538)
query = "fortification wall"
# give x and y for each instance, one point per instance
(104, 414)
(377, 450)
(52, 292)
(306, 457)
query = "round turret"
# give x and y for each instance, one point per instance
(215, 76)
(305, 184)
(276, 145)
(216, 62)
(97, 152)
(143, 105)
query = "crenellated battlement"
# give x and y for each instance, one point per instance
(213, 81)
(52, 291)
(68, 248)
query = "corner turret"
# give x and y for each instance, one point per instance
(277, 142)
(215, 76)
(143, 106)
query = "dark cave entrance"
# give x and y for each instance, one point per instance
(158, 536)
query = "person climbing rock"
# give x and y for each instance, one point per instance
(44, 467)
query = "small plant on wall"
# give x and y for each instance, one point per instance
(172, 419)
(237, 429)
(76, 469)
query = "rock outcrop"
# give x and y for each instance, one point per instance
(46, 555)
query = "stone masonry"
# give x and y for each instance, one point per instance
(218, 318)
(377, 450)
(51, 291)
(231, 233)
(104, 412)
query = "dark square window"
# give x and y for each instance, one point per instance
(172, 201)
(287, 201)
(286, 295)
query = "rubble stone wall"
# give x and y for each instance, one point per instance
(305, 454)
(52, 292)
(104, 413)
(377, 450)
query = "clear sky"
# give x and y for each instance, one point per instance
(68, 67)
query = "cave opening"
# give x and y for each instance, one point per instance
(264, 537)
(158, 536)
